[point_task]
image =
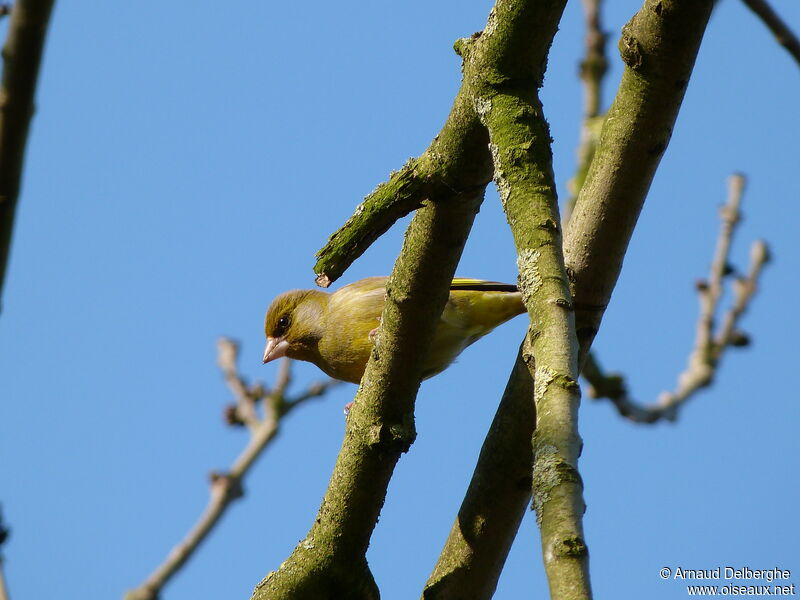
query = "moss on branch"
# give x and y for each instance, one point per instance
(404, 192)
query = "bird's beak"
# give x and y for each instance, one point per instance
(275, 348)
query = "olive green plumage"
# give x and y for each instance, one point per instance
(336, 331)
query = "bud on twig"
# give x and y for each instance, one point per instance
(231, 416)
(739, 339)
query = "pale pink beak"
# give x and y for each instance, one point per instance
(275, 348)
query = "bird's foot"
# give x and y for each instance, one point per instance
(373, 335)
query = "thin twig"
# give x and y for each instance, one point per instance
(709, 347)
(593, 69)
(3, 587)
(743, 290)
(594, 65)
(244, 411)
(227, 486)
(779, 29)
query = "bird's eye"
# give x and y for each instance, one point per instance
(283, 325)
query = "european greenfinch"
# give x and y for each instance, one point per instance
(337, 331)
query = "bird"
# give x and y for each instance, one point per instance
(336, 331)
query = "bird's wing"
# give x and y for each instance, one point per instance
(370, 291)
(475, 307)
(359, 302)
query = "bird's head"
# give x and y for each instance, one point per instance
(293, 325)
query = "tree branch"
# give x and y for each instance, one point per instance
(593, 69)
(777, 26)
(22, 56)
(227, 487)
(708, 348)
(508, 105)
(3, 587)
(594, 64)
(392, 200)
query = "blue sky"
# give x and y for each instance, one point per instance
(188, 159)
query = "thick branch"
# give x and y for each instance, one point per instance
(331, 561)
(777, 26)
(227, 487)
(22, 56)
(658, 45)
(508, 105)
